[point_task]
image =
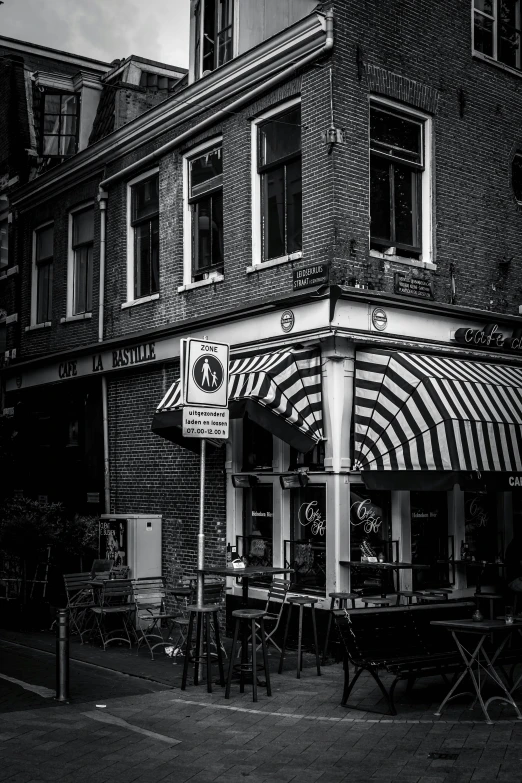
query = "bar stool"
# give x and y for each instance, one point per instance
(490, 598)
(301, 602)
(343, 599)
(252, 617)
(376, 600)
(203, 642)
(409, 595)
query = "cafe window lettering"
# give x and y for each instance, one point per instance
(257, 446)
(370, 533)
(305, 552)
(256, 543)
(480, 518)
(430, 543)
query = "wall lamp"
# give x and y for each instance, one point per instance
(294, 480)
(244, 480)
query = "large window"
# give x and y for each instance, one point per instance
(4, 243)
(59, 129)
(43, 260)
(82, 239)
(396, 170)
(213, 45)
(279, 167)
(306, 551)
(145, 228)
(206, 206)
(496, 30)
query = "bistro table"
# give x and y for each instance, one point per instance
(473, 665)
(479, 565)
(382, 567)
(245, 574)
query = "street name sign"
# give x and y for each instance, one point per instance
(203, 422)
(204, 373)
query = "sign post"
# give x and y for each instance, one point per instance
(204, 394)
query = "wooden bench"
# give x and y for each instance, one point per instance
(398, 640)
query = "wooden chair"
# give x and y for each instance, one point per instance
(80, 600)
(116, 600)
(120, 572)
(151, 613)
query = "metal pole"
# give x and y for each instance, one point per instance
(201, 534)
(62, 656)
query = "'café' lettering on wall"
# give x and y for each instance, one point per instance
(490, 337)
(107, 360)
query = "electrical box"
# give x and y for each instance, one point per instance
(133, 540)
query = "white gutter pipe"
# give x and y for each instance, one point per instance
(225, 113)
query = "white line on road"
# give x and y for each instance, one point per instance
(106, 717)
(45, 693)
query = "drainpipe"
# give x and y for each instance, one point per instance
(232, 107)
(102, 199)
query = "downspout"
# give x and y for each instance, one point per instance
(231, 108)
(102, 199)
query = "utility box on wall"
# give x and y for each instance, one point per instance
(133, 540)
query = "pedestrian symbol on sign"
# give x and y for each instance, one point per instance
(208, 373)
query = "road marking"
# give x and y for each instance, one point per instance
(106, 717)
(298, 716)
(45, 693)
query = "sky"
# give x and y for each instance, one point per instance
(102, 29)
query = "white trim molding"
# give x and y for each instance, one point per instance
(257, 249)
(130, 241)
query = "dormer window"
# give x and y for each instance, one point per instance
(60, 117)
(213, 35)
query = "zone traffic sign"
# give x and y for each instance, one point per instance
(204, 368)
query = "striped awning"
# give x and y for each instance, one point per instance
(279, 390)
(432, 413)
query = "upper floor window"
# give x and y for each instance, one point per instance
(496, 30)
(396, 174)
(43, 274)
(213, 44)
(144, 220)
(60, 122)
(206, 205)
(82, 241)
(279, 169)
(4, 243)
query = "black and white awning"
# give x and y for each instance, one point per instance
(428, 413)
(279, 390)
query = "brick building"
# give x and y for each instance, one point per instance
(335, 191)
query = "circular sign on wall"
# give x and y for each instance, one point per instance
(208, 373)
(379, 319)
(287, 321)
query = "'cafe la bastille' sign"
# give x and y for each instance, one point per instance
(490, 337)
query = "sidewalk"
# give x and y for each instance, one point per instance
(147, 730)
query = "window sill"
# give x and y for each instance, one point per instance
(404, 261)
(13, 270)
(497, 64)
(143, 299)
(34, 327)
(274, 262)
(201, 283)
(80, 317)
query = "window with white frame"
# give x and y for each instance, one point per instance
(43, 274)
(400, 217)
(496, 30)
(81, 254)
(144, 236)
(279, 183)
(205, 199)
(213, 34)
(4, 243)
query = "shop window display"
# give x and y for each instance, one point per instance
(256, 543)
(305, 552)
(370, 533)
(429, 538)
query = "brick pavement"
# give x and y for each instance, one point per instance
(301, 733)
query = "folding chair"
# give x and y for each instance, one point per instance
(100, 568)
(80, 599)
(277, 593)
(116, 600)
(149, 598)
(120, 572)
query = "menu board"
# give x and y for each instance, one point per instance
(113, 541)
